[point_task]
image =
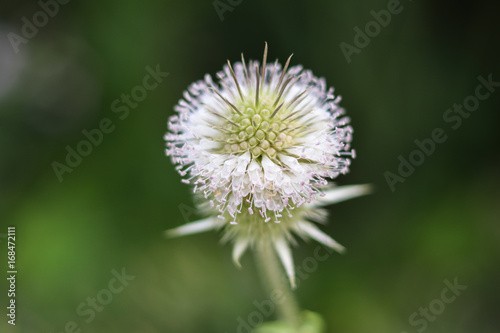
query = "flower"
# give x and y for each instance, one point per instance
(259, 144)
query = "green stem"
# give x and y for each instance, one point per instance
(273, 278)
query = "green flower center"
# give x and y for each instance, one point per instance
(259, 131)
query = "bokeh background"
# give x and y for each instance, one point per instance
(110, 212)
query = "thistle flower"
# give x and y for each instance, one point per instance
(258, 147)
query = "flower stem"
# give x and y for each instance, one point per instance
(277, 285)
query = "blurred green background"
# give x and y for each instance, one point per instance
(110, 212)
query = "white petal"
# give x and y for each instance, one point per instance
(239, 248)
(312, 231)
(255, 173)
(342, 193)
(272, 172)
(243, 161)
(283, 250)
(194, 227)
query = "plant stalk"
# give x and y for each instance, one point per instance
(277, 284)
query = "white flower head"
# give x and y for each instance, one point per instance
(259, 145)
